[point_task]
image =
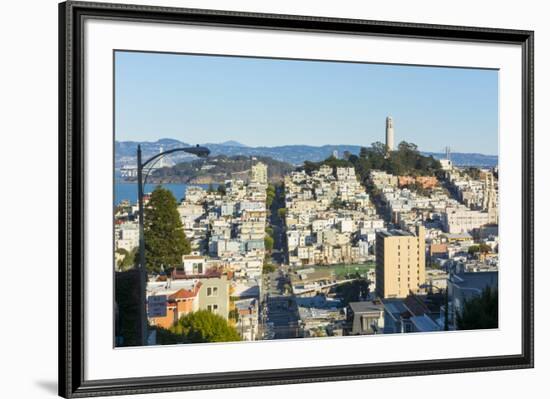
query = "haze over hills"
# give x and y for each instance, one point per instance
(219, 168)
(231, 143)
(125, 152)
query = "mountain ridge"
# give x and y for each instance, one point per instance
(294, 154)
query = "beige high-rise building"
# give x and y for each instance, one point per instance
(258, 173)
(400, 262)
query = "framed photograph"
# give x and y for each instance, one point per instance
(253, 199)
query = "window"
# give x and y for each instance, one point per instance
(212, 291)
(212, 308)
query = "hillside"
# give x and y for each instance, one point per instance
(217, 169)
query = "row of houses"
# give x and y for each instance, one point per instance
(329, 217)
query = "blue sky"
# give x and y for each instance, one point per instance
(270, 102)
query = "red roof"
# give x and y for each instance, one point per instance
(185, 294)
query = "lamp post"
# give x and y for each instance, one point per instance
(199, 151)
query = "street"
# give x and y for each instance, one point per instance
(280, 308)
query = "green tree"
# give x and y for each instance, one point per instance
(353, 291)
(129, 258)
(310, 166)
(480, 248)
(166, 337)
(268, 268)
(221, 189)
(334, 163)
(282, 212)
(234, 315)
(480, 312)
(473, 249)
(268, 242)
(270, 195)
(337, 203)
(165, 241)
(204, 326)
(484, 248)
(378, 148)
(472, 172)
(123, 253)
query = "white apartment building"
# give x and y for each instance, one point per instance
(463, 220)
(258, 173)
(127, 236)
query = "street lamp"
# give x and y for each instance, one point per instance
(199, 151)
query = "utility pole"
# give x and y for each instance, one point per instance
(446, 326)
(142, 267)
(198, 151)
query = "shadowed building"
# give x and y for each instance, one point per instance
(365, 318)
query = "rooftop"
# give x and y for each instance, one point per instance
(475, 280)
(366, 306)
(394, 306)
(210, 273)
(415, 305)
(395, 233)
(424, 323)
(184, 294)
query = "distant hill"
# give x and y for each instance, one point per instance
(125, 152)
(233, 143)
(217, 169)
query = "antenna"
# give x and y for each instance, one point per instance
(448, 153)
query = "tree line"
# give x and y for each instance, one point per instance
(406, 160)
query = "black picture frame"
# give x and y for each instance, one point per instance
(71, 200)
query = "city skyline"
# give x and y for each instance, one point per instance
(272, 102)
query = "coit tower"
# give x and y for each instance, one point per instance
(389, 134)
